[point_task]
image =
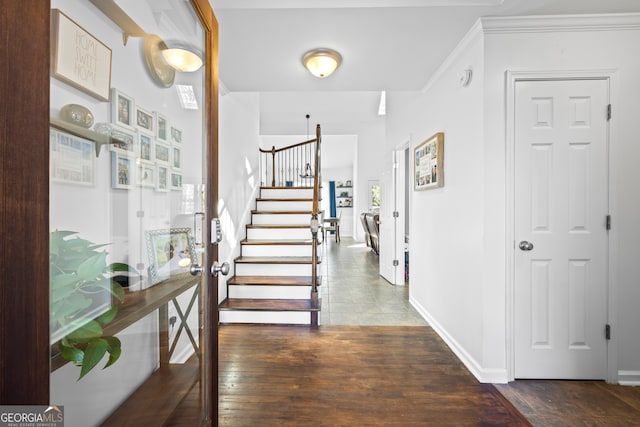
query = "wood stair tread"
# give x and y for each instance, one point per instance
(273, 280)
(274, 260)
(257, 212)
(260, 199)
(278, 226)
(285, 188)
(269, 304)
(258, 242)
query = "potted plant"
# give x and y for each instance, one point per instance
(78, 273)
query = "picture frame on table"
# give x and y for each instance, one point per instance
(162, 127)
(162, 178)
(145, 147)
(176, 135)
(429, 163)
(171, 252)
(145, 120)
(122, 167)
(92, 74)
(123, 108)
(162, 153)
(176, 181)
(176, 158)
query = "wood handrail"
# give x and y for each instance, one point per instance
(277, 150)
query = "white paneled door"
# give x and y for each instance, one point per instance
(392, 189)
(561, 246)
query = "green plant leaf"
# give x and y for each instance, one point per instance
(108, 315)
(92, 267)
(70, 353)
(114, 349)
(117, 291)
(63, 280)
(89, 330)
(92, 355)
(120, 266)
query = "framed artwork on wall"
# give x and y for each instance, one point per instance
(176, 181)
(162, 154)
(121, 171)
(176, 158)
(146, 176)
(123, 108)
(144, 120)
(145, 147)
(176, 135)
(78, 58)
(72, 159)
(429, 163)
(162, 179)
(123, 140)
(162, 128)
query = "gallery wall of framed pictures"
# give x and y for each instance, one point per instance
(150, 155)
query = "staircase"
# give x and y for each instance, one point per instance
(273, 282)
(274, 274)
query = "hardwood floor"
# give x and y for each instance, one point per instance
(349, 376)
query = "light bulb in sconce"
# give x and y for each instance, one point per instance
(182, 59)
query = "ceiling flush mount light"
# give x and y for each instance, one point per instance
(321, 62)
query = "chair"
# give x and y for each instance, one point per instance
(367, 236)
(333, 225)
(374, 231)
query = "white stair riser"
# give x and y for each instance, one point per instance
(273, 269)
(276, 250)
(282, 193)
(269, 292)
(277, 317)
(281, 219)
(283, 206)
(278, 233)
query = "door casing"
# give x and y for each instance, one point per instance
(511, 78)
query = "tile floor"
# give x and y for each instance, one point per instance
(353, 292)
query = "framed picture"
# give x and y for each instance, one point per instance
(144, 120)
(176, 181)
(145, 147)
(121, 170)
(176, 158)
(162, 179)
(176, 135)
(78, 58)
(72, 159)
(429, 163)
(162, 153)
(162, 128)
(123, 108)
(146, 175)
(123, 140)
(170, 252)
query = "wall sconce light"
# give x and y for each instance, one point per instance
(321, 62)
(182, 59)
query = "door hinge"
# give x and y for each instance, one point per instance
(607, 332)
(396, 263)
(608, 222)
(396, 214)
(608, 112)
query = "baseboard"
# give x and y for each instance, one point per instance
(630, 378)
(495, 376)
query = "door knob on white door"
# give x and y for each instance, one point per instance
(525, 246)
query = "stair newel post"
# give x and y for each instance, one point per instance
(273, 166)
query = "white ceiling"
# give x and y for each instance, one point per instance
(393, 45)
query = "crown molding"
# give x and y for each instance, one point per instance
(564, 23)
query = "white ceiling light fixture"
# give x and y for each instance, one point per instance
(321, 62)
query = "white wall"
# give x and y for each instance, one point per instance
(239, 179)
(458, 232)
(447, 228)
